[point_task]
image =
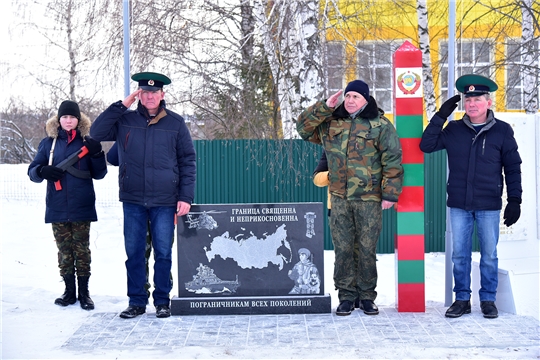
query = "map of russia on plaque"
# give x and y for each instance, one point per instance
(245, 250)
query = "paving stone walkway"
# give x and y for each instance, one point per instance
(389, 328)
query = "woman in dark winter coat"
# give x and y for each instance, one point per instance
(70, 201)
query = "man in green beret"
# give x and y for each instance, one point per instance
(157, 182)
(480, 150)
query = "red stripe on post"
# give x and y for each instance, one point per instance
(410, 247)
(411, 199)
(411, 151)
(411, 298)
(409, 106)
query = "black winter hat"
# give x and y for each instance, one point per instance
(360, 87)
(69, 107)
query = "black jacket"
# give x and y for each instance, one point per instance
(476, 162)
(76, 201)
(156, 156)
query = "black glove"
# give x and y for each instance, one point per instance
(52, 173)
(512, 211)
(92, 145)
(448, 107)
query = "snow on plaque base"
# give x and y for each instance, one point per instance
(251, 259)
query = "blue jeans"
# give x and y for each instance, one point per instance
(162, 230)
(487, 230)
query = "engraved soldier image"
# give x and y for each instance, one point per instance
(305, 275)
(310, 224)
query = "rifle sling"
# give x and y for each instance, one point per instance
(82, 174)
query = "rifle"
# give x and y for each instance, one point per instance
(70, 160)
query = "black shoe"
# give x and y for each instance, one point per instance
(489, 309)
(345, 308)
(369, 307)
(458, 308)
(132, 311)
(163, 311)
(357, 303)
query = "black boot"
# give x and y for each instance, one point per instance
(84, 294)
(68, 298)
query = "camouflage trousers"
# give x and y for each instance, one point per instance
(147, 254)
(355, 226)
(73, 242)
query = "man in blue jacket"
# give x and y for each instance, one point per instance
(480, 150)
(157, 182)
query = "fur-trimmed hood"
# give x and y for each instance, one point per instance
(52, 125)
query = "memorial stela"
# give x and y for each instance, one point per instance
(251, 259)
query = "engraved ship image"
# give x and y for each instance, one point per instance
(206, 282)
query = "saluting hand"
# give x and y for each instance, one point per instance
(333, 100)
(131, 98)
(448, 107)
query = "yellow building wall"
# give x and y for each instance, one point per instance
(379, 20)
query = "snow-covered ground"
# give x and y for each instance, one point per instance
(33, 327)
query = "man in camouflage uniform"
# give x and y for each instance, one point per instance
(365, 173)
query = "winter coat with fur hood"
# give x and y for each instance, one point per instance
(76, 200)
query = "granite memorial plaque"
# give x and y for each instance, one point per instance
(251, 259)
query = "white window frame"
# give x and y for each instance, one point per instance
(478, 66)
(335, 68)
(381, 60)
(513, 82)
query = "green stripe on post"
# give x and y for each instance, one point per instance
(409, 126)
(414, 174)
(411, 271)
(410, 223)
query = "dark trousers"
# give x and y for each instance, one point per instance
(355, 226)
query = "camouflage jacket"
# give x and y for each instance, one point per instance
(364, 153)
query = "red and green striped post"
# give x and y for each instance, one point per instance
(409, 244)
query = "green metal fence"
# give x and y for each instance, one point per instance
(277, 171)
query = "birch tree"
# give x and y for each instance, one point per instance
(290, 37)
(423, 44)
(531, 60)
(311, 75)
